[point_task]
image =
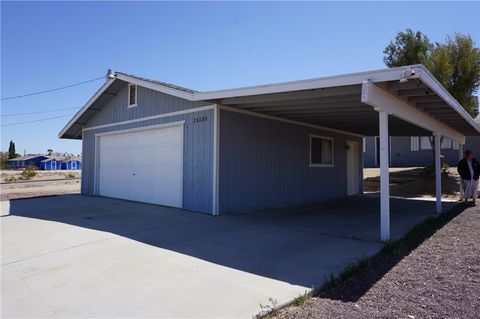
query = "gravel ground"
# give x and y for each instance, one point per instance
(440, 278)
(38, 188)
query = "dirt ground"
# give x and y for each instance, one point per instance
(45, 183)
(412, 182)
(438, 279)
(41, 175)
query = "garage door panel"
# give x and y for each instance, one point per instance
(170, 153)
(143, 166)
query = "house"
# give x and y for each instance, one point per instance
(256, 147)
(416, 151)
(51, 163)
(24, 161)
(72, 163)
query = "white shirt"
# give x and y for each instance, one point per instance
(470, 168)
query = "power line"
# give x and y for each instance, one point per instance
(47, 111)
(34, 121)
(51, 90)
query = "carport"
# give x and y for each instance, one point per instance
(406, 101)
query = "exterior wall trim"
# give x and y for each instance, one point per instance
(153, 117)
(279, 119)
(216, 161)
(96, 157)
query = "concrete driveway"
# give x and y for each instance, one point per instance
(78, 256)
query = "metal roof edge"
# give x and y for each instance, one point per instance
(427, 78)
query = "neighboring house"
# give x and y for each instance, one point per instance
(411, 151)
(249, 148)
(72, 163)
(24, 161)
(51, 163)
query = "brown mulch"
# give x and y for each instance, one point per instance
(438, 276)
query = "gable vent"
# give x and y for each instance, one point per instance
(132, 95)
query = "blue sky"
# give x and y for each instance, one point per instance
(200, 45)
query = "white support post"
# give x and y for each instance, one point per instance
(384, 177)
(438, 174)
(460, 156)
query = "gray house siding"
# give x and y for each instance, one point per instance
(265, 163)
(149, 103)
(198, 141)
(402, 156)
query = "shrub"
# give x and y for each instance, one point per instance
(430, 169)
(29, 172)
(10, 179)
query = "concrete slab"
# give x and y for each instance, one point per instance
(78, 256)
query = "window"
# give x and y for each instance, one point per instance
(414, 143)
(455, 145)
(132, 95)
(446, 143)
(321, 151)
(425, 143)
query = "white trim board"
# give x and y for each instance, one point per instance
(153, 117)
(216, 162)
(102, 89)
(281, 119)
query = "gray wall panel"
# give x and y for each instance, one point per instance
(265, 163)
(149, 103)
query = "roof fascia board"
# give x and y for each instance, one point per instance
(156, 87)
(429, 80)
(318, 83)
(381, 100)
(102, 89)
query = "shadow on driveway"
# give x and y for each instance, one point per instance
(298, 245)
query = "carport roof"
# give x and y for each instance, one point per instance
(337, 102)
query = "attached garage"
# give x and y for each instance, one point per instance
(143, 164)
(257, 147)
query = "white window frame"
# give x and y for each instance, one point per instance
(312, 136)
(136, 95)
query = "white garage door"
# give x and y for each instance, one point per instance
(145, 166)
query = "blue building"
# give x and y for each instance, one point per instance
(24, 161)
(250, 148)
(72, 163)
(51, 163)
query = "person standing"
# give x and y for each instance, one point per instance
(469, 170)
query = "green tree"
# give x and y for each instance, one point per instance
(408, 48)
(456, 63)
(11, 150)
